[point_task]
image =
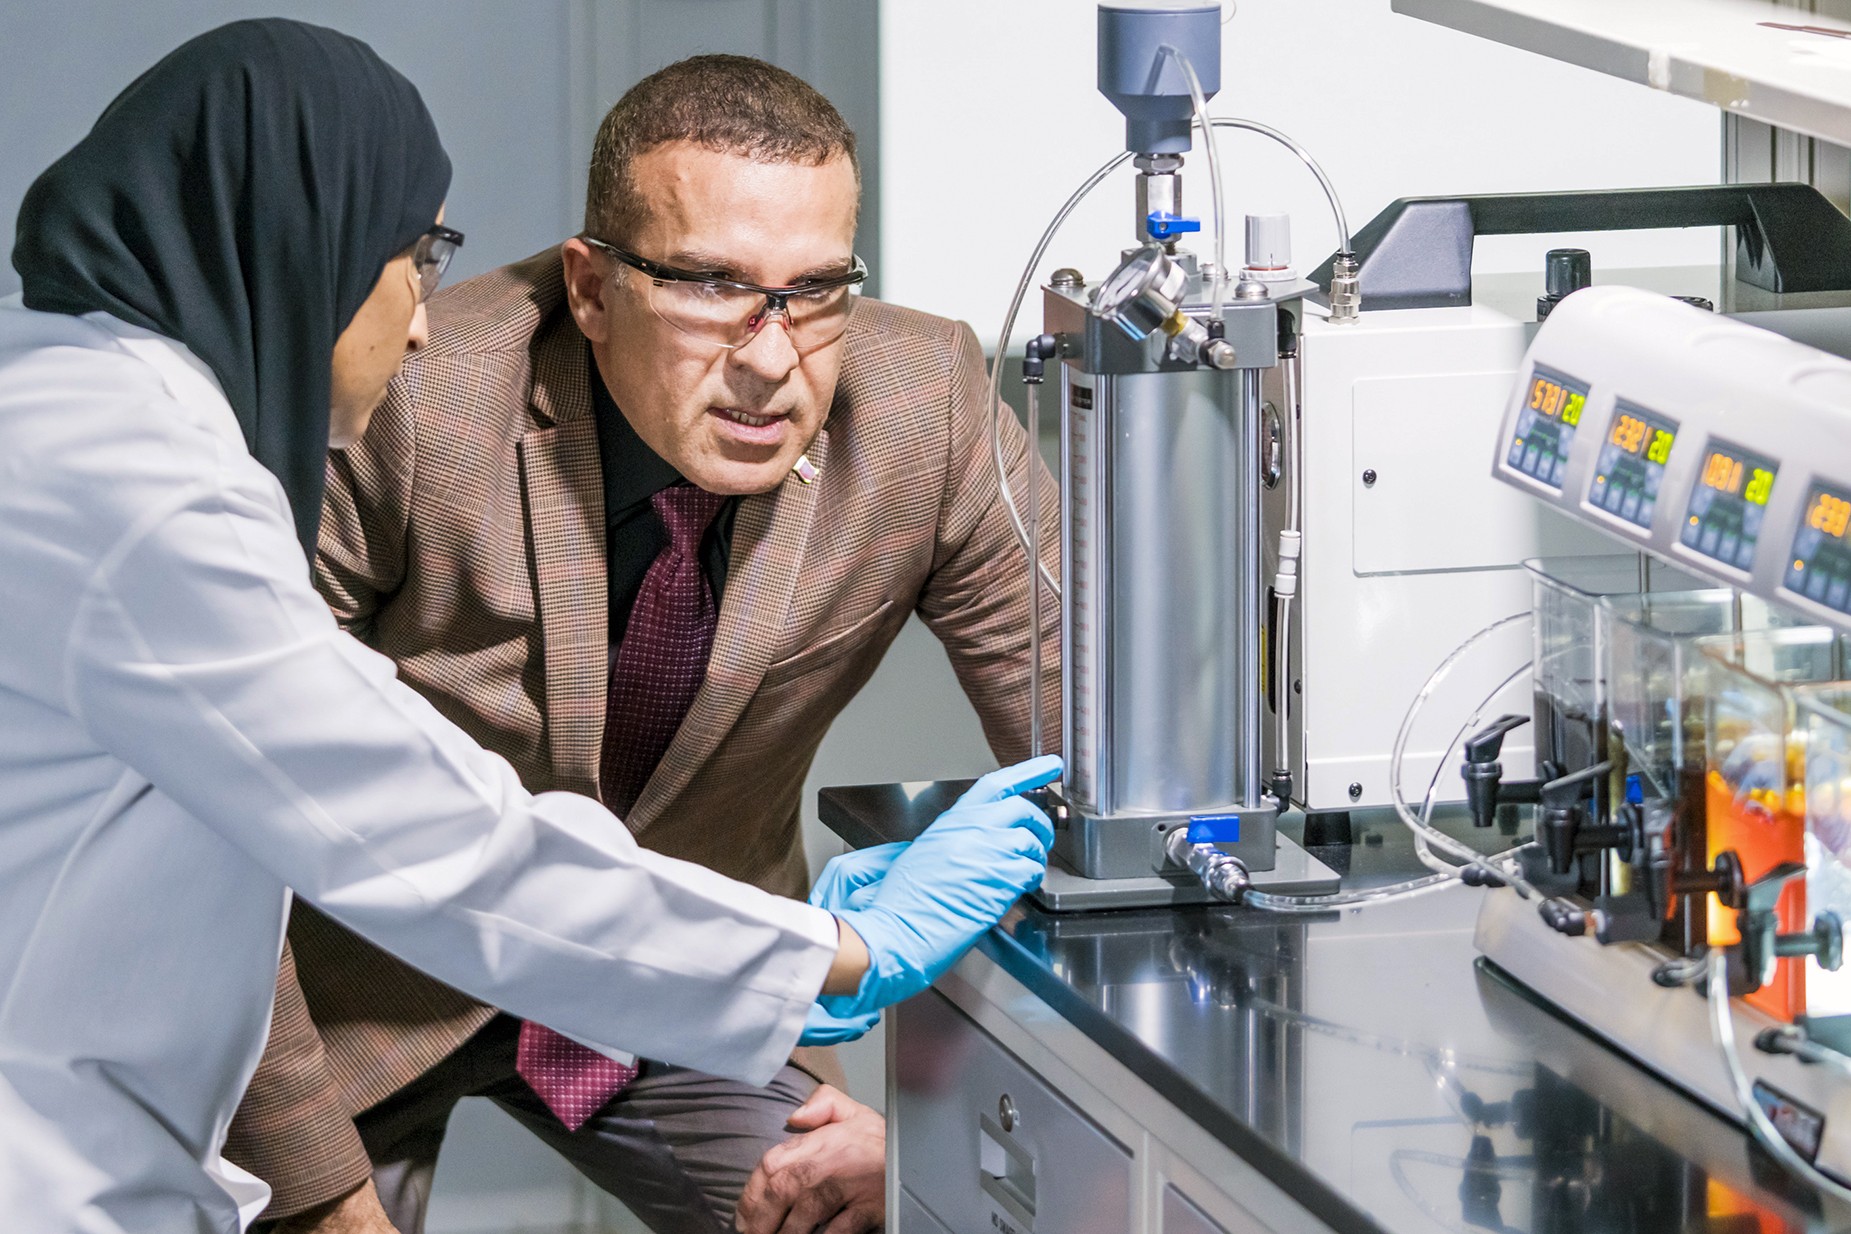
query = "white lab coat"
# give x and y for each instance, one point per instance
(184, 732)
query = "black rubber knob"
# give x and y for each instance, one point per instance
(1566, 270)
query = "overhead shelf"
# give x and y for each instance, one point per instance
(1783, 66)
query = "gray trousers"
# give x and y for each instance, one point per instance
(676, 1146)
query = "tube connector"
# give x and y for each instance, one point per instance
(1285, 582)
(1224, 877)
(1035, 356)
(1346, 297)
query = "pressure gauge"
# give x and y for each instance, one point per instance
(1142, 295)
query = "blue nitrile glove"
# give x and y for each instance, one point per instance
(845, 876)
(850, 872)
(950, 885)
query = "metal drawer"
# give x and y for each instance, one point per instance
(988, 1148)
(1180, 1216)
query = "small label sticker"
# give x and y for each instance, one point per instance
(1799, 1125)
(805, 470)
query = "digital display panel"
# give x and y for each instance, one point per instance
(1631, 465)
(1820, 568)
(1727, 504)
(1546, 426)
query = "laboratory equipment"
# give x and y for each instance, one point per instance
(1163, 606)
(1687, 808)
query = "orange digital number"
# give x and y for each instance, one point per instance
(1830, 515)
(1546, 398)
(1723, 473)
(1628, 432)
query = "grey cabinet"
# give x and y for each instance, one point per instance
(986, 1147)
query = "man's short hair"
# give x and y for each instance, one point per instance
(733, 104)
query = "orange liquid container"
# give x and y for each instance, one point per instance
(1764, 827)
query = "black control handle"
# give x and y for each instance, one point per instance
(1417, 253)
(1485, 745)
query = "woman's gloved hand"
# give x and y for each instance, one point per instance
(851, 873)
(941, 892)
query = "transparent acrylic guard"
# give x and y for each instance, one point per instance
(1825, 721)
(1755, 774)
(1654, 682)
(1565, 598)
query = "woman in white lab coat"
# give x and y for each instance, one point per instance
(225, 271)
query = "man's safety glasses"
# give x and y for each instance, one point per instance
(726, 313)
(431, 255)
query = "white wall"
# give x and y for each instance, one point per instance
(990, 117)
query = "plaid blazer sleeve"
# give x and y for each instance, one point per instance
(293, 1130)
(976, 599)
(361, 556)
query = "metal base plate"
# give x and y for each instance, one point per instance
(1296, 872)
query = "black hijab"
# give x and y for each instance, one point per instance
(243, 197)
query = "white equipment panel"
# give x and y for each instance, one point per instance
(1716, 445)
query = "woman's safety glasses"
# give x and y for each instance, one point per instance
(723, 312)
(431, 255)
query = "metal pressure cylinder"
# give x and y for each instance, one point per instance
(1145, 83)
(1162, 622)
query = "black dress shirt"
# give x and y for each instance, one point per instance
(633, 534)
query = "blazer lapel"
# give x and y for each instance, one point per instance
(770, 532)
(565, 504)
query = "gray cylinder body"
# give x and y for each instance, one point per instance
(1161, 630)
(1144, 83)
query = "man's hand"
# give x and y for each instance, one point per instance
(831, 1179)
(357, 1212)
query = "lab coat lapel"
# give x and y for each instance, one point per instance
(770, 534)
(565, 509)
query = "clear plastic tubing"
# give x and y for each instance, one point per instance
(1218, 284)
(1722, 1032)
(1444, 874)
(1032, 394)
(1439, 839)
(1304, 156)
(994, 403)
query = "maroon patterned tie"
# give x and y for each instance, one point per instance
(655, 675)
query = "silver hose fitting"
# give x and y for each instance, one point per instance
(1224, 877)
(1346, 297)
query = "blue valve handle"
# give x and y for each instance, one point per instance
(1162, 225)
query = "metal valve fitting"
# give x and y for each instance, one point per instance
(1346, 297)
(1224, 877)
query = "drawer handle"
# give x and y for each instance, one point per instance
(1005, 1168)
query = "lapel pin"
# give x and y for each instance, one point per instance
(805, 470)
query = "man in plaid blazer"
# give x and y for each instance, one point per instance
(476, 535)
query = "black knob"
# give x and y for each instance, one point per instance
(1563, 917)
(1566, 270)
